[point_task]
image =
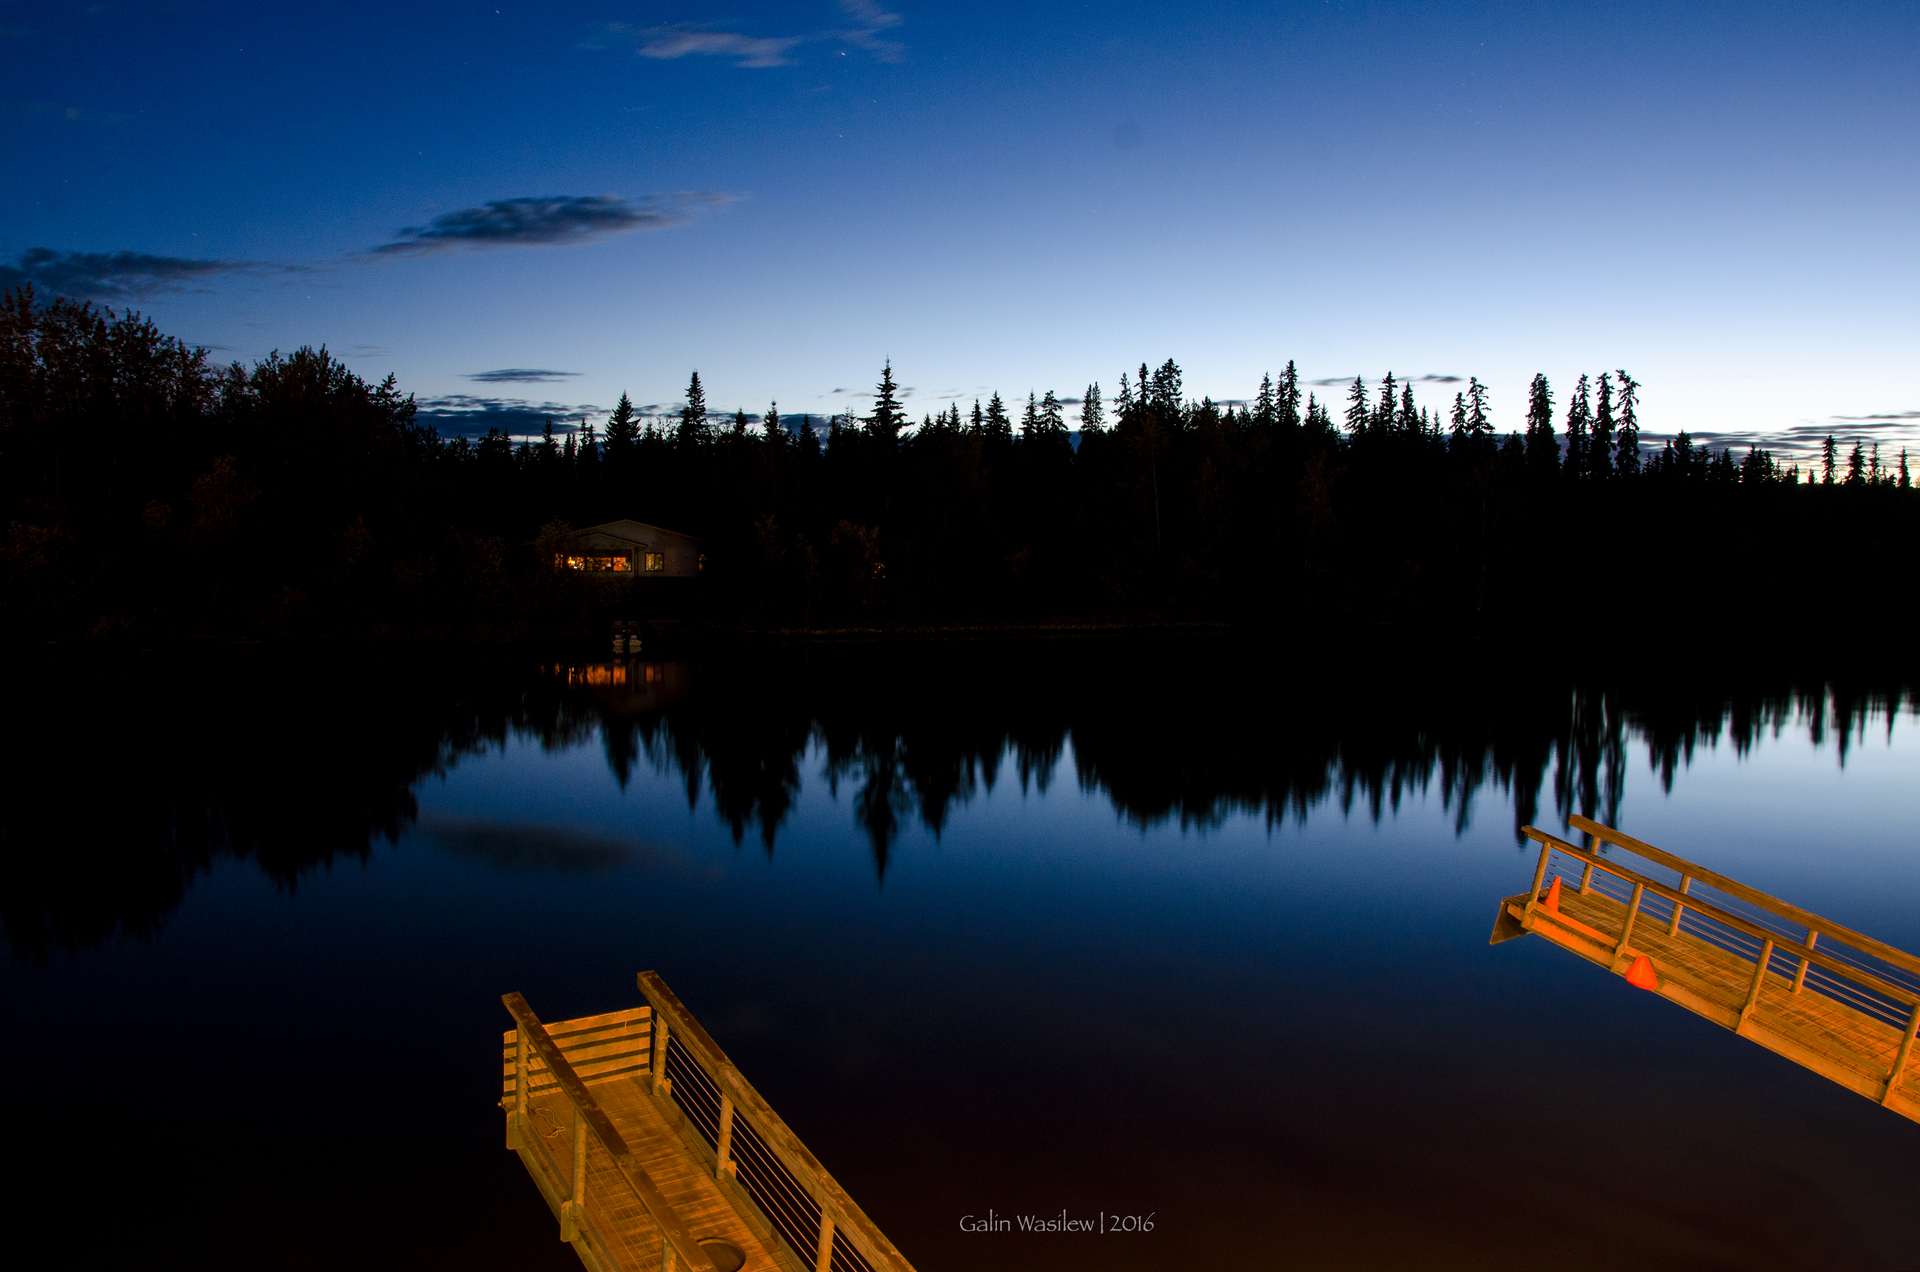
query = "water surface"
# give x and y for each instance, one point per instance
(1193, 931)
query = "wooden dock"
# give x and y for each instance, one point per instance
(1824, 996)
(654, 1153)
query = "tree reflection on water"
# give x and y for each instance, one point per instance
(120, 787)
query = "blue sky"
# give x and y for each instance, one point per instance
(1718, 197)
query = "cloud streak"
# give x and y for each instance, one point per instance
(688, 39)
(462, 415)
(664, 43)
(1429, 378)
(113, 275)
(520, 375)
(547, 221)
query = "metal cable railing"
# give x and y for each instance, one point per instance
(1600, 877)
(802, 1203)
(780, 1196)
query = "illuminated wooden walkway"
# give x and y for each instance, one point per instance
(1842, 1004)
(654, 1153)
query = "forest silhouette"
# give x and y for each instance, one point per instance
(244, 756)
(148, 494)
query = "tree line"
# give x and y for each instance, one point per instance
(148, 491)
(245, 758)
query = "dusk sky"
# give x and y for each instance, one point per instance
(1720, 198)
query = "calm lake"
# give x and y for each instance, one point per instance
(1188, 928)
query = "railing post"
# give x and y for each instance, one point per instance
(1800, 977)
(721, 1166)
(1633, 912)
(823, 1254)
(517, 1118)
(1673, 928)
(662, 1084)
(1759, 978)
(1586, 880)
(1539, 874)
(574, 1209)
(1906, 1049)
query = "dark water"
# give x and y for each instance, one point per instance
(1189, 930)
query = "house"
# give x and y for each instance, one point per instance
(633, 549)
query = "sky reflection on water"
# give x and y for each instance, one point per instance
(1015, 930)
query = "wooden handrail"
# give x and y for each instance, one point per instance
(834, 1202)
(602, 1126)
(1733, 887)
(1741, 924)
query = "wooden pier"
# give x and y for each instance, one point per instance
(654, 1153)
(1824, 996)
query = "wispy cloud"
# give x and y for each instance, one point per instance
(546, 221)
(113, 275)
(1429, 378)
(1887, 417)
(872, 20)
(554, 220)
(520, 375)
(689, 39)
(683, 40)
(461, 415)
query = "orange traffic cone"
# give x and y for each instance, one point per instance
(1553, 896)
(1641, 976)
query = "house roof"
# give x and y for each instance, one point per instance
(637, 532)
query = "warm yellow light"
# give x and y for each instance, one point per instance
(621, 563)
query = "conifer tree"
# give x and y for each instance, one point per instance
(887, 414)
(1627, 449)
(1263, 403)
(1092, 417)
(1358, 409)
(1478, 422)
(770, 425)
(1829, 456)
(1410, 420)
(740, 424)
(1030, 418)
(1460, 430)
(1600, 446)
(1857, 464)
(1906, 478)
(1165, 394)
(1383, 417)
(622, 431)
(997, 427)
(1579, 430)
(693, 416)
(1050, 418)
(1543, 452)
(1288, 399)
(978, 420)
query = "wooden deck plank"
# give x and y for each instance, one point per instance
(619, 1235)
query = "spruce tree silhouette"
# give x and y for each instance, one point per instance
(693, 430)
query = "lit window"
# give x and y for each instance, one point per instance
(597, 563)
(656, 562)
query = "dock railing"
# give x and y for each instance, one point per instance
(752, 1148)
(533, 1043)
(1808, 954)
